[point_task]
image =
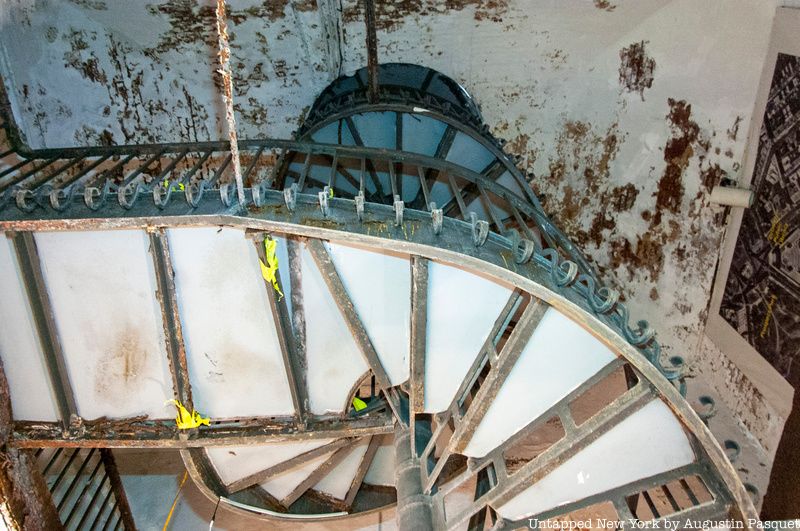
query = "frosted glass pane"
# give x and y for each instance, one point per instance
(235, 363)
(102, 289)
(283, 484)
(462, 307)
(380, 287)
(236, 462)
(649, 442)
(469, 153)
(23, 361)
(337, 481)
(334, 361)
(381, 471)
(558, 358)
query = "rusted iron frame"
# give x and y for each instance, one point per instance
(283, 330)
(419, 333)
(508, 487)
(299, 359)
(550, 232)
(34, 184)
(120, 498)
(453, 410)
(372, 50)
(26, 498)
(500, 367)
(316, 476)
(361, 472)
(170, 316)
(44, 318)
(376, 154)
(617, 496)
(141, 434)
(448, 247)
(333, 281)
(263, 475)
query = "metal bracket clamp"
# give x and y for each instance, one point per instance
(323, 200)
(290, 197)
(127, 195)
(22, 197)
(399, 205)
(437, 217)
(359, 199)
(226, 192)
(480, 229)
(523, 251)
(258, 193)
(161, 199)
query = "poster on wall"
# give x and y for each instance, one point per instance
(761, 298)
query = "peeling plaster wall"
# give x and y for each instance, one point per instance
(626, 111)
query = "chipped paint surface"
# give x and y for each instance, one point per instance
(626, 112)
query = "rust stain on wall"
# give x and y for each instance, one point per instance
(605, 5)
(636, 69)
(120, 371)
(389, 15)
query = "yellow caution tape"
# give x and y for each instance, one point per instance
(186, 420)
(180, 186)
(358, 404)
(270, 269)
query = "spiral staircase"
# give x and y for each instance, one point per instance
(388, 318)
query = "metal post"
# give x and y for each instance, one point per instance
(372, 51)
(413, 507)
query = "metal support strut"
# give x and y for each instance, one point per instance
(413, 507)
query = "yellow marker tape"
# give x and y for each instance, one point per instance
(330, 191)
(180, 186)
(269, 270)
(186, 420)
(359, 404)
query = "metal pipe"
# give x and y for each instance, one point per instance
(413, 507)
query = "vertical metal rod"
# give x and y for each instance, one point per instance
(372, 51)
(298, 323)
(419, 320)
(227, 95)
(283, 328)
(413, 506)
(171, 321)
(121, 499)
(39, 299)
(304, 174)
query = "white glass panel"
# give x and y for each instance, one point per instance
(558, 358)
(235, 363)
(649, 442)
(283, 484)
(380, 287)
(469, 153)
(102, 289)
(337, 481)
(334, 361)
(462, 307)
(381, 471)
(23, 360)
(236, 462)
